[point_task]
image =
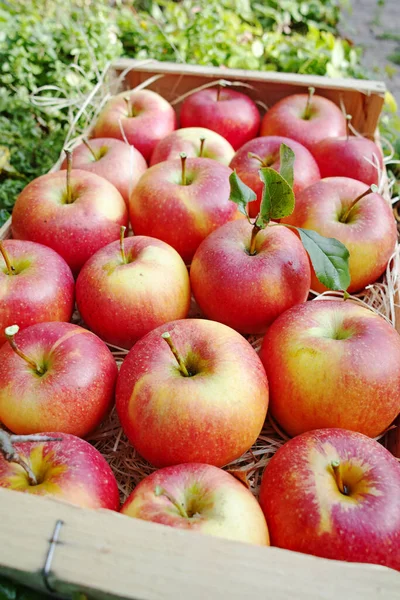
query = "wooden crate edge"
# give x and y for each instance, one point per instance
(112, 556)
(366, 86)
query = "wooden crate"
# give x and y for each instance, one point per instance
(108, 555)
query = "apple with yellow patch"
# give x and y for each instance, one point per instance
(336, 494)
(55, 377)
(142, 117)
(128, 288)
(351, 212)
(202, 498)
(74, 212)
(332, 363)
(36, 285)
(196, 142)
(192, 391)
(120, 163)
(182, 201)
(69, 469)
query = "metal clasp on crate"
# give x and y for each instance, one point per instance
(46, 572)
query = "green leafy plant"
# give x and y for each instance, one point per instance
(64, 52)
(329, 257)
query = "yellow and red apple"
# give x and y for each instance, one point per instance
(75, 217)
(55, 377)
(349, 156)
(332, 363)
(120, 163)
(195, 142)
(69, 469)
(181, 203)
(207, 407)
(336, 494)
(202, 498)
(36, 285)
(246, 291)
(123, 292)
(142, 117)
(265, 152)
(341, 208)
(305, 118)
(230, 113)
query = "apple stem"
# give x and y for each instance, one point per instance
(11, 455)
(69, 169)
(254, 232)
(182, 367)
(10, 332)
(128, 106)
(4, 253)
(183, 163)
(260, 160)
(370, 190)
(219, 87)
(335, 464)
(307, 112)
(89, 147)
(122, 243)
(160, 491)
(202, 141)
(348, 121)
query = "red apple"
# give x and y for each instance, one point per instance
(332, 364)
(199, 498)
(144, 116)
(36, 285)
(349, 157)
(118, 162)
(230, 113)
(125, 292)
(267, 149)
(182, 205)
(55, 376)
(247, 292)
(203, 400)
(368, 230)
(304, 119)
(75, 220)
(195, 142)
(336, 494)
(69, 469)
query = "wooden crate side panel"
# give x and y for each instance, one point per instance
(112, 556)
(364, 102)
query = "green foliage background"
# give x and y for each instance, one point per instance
(65, 45)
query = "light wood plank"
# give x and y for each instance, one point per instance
(5, 230)
(133, 559)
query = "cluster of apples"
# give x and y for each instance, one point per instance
(192, 394)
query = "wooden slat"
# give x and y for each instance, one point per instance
(132, 559)
(5, 230)
(362, 99)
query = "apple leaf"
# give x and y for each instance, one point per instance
(329, 258)
(286, 163)
(277, 198)
(241, 194)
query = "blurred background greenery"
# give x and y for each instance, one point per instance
(66, 51)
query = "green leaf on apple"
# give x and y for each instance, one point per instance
(241, 194)
(286, 162)
(329, 258)
(277, 197)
